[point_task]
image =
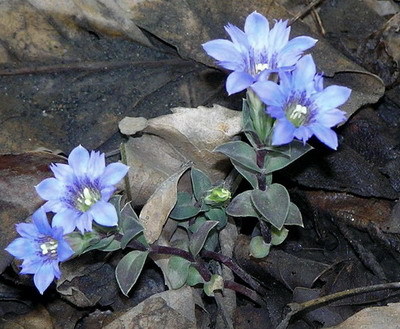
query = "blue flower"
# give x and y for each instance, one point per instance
(301, 106)
(42, 248)
(257, 51)
(80, 191)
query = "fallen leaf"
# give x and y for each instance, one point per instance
(155, 212)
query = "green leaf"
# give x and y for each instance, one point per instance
(278, 236)
(200, 182)
(275, 161)
(114, 245)
(115, 200)
(81, 242)
(101, 245)
(177, 271)
(294, 216)
(129, 223)
(272, 204)
(216, 283)
(248, 174)
(258, 247)
(194, 277)
(219, 215)
(198, 239)
(240, 152)
(184, 207)
(129, 269)
(242, 206)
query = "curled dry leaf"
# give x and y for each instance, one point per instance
(155, 212)
(188, 134)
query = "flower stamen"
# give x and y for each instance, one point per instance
(297, 114)
(261, 67)
(49, 246)
(87, 198)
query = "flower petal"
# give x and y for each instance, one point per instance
(63, 172)
(104, 213)
(113, 173)
(304, 73)
(292, 51)
(21, 248)
(64, 250)
(256, 28)
(325, 135)
(44, 277)
(107, 192)
(239, 39)
(50, 189)
(331, 97)
(31, 266)
(27, 230)
(84, 222)
(225, 52)
(55, 206)
(96, 164)
(238, 81)
(269, 92)
(279, 36)
(78, 159)
(39, 218)
(283, 132)
(331, 118)
(66, 220)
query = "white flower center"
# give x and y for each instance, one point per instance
(87, 198)
(297, 114)
(261, 67)
(49, 247)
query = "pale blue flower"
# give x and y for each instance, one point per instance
(301, 106)
(257, 51)
(80, 191)
(42, 248)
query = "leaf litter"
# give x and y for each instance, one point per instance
(69, 59)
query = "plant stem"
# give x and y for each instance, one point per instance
(251, 294)
(236, 269)
(315, 303)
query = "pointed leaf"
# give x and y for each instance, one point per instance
(184, 208)
(276, 161)
(240, 152)
(194, 277)
(242, 206)
(201, 183)
(198, 239)
(177, 271)
(129, 224)
(248, 174)
(272, 204)
(129, 269)
(294, 216)
(258, 247)
(218, 215)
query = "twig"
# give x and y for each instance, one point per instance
(304, 11)
(318, 302)
(366, 257)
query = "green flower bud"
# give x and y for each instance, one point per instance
(218, 195)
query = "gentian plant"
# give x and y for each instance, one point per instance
(285, 102)
(285, 105)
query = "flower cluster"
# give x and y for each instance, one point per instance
(77, 195)
(299, 103)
